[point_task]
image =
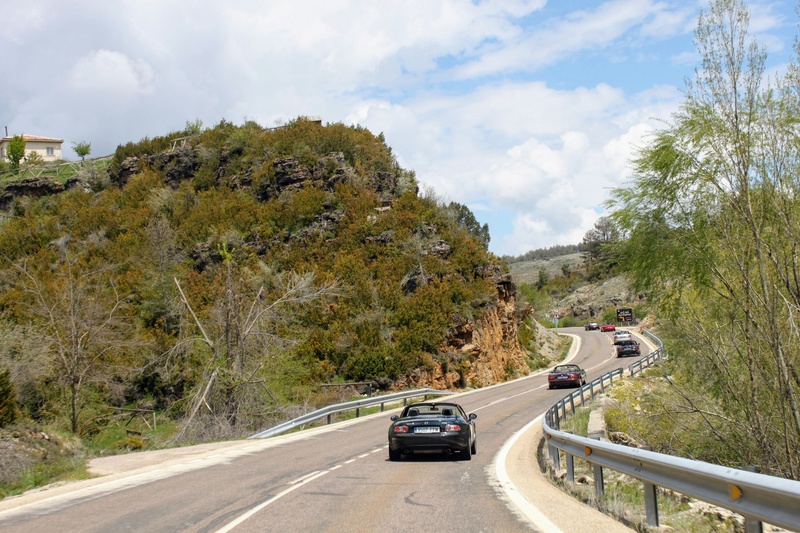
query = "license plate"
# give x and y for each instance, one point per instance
(426, 429)
(563, 377)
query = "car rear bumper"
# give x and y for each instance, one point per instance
(412, 443)
(565, 383)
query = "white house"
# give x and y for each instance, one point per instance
(47, 147)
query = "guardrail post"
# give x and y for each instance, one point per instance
(591, 388)
(650, 499)
(570, 467)
(572, 402)
(555, 457)
(329, 419)
(358, 412)
(382, 406)
(751, 525)
(599, 485)
(583, 400)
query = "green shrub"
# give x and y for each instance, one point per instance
(130, 443)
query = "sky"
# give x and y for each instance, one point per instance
(526, 111)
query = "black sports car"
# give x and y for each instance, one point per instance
(433, 426)
(563, 375)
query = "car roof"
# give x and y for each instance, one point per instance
(567, 367)
(435, 404)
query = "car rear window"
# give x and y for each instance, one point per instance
(436, 410)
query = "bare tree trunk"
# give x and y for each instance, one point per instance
(201, 399)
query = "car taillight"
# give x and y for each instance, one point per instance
(551, 377)
(401, 429)
(452, 427)
(573, 376)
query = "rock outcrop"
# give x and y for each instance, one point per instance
(477, 353)
(34, 187)
(591, 300)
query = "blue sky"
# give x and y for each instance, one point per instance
(527, 111)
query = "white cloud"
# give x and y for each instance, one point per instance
(525, 110)
(105, 70)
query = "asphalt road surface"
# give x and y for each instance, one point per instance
(330, 479)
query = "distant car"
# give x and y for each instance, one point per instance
(566, 375)
(591, 326)
(621, 335)
(628, 347)
(433, 427)
(608, 327)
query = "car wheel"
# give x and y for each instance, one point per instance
(394, 455)
(474, 447)
(466, 454)
(550, 387)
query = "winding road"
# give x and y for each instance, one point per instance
(333, 478)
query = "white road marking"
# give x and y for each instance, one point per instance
(260, 506)
(530, 511)
(293, 485)
(301, 479)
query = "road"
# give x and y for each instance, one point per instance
(335, 478)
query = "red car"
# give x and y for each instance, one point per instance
(608, 327)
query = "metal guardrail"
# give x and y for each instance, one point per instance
(757, 497)
(348, 406)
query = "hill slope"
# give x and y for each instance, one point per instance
(223, 275)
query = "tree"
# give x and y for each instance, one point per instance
(82, 148)
(598, 246)
(543, 279)
(16, 150)
(194, 127)
(34, 159)
(713, 226)
(466, 219)
(247, 331)
(81, 316)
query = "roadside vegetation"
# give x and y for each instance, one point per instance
(711, 227)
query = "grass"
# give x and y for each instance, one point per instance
(46, 473)
(39, 461)
(33, 456)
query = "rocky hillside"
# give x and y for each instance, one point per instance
(242, 268)
(574, 296)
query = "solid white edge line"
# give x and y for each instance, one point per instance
(530, 511)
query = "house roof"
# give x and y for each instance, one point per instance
(35, 138)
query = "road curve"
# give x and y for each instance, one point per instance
(335, 478)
